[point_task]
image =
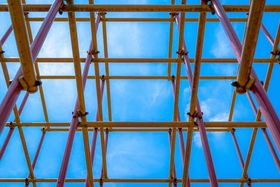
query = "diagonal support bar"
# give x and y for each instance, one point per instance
(74, 122)
(15, 88)
(27, 79)
(266, 107)
(249, 46)
(193, 81)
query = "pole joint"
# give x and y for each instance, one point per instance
(101, 181)
(276, 53)
(26, 181)
(26, 13)
(2, 52)
(249, 181)
(210, 5)
(25, 86)
(182, 53)
(103, 77)
(12, 125)
(195, 115)
(93, 52)
(175, 181)
(62, 7)
(102, 14)
(44, 130)
(242, 89)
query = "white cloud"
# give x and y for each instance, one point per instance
(197, 140)
(221, 48)
(220, 117)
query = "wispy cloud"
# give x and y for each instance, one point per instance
(221, 47)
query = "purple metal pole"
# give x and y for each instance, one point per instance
(37, 151)
(268, 141)
(200, 123)
(174, 168)
(7, 140)
(267, 35)
(181, 137)
(6, 35)
(15, 88)
(271, 148)
(74, 122)
(94, 137)
(237, 148)
(266, 107)
(106, 145)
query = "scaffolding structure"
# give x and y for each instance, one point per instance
(29, 80)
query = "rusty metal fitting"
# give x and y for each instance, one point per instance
(169, 130)
(195, 115)
(61, 8)
(92, 52)
(25, 86)
(173, 14)
(275, 53)
(101, 181)
(102, 13)
(103, 77)
(210, 5)
(182, 52)
(2, 52)
(12, 125)
(249, 181)
(26, 181)
(44, 129)
(175, 181)
(81, 114)
(242, 89)
(26, 13)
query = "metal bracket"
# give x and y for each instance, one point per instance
(242, 89)
(195, 115)
(25, 86)
(101, 181)
(61, 8)
(44, 129)
(249, 181)
(93, 52)
(182, 53)
(210, 5)
(2, 52)
(102, 13)
(11, 125)
(26, 181)
(175, 181)
(173, 14)
(79, 114)
(103, 77)
(276, 53)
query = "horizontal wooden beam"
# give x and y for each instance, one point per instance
(139, 8)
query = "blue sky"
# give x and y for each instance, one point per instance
(139, 155)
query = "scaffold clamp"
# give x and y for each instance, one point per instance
(210, 5)
(26, 181)
(182, 52)
(61, 8)
(195, 115)
(242, 89)
(26, 87)
(173, 14)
